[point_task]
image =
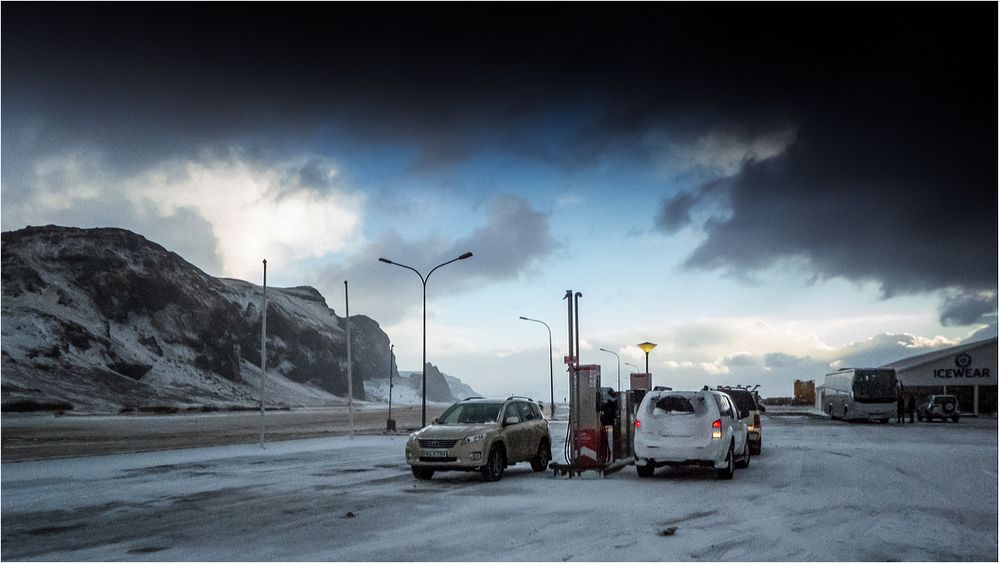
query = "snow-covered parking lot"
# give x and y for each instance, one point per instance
(821, 490)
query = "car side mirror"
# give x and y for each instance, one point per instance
(434, 421)
(762, 408)
(511, 420)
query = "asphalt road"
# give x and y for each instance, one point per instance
(821, 490)
(42, 436)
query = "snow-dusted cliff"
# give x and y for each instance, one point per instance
(105, 320)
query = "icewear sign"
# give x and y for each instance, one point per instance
(964, 369)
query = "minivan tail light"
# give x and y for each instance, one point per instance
(716, 429)
(638, 424)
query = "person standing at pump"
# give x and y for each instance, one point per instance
(900, 411)
(911, 407)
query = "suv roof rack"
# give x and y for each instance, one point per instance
(661, 388)
(519, 397)
(741, 387)
(474, 397)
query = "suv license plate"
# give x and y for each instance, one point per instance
(435, 453)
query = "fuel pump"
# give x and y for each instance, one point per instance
(586, 430)
(597, 433)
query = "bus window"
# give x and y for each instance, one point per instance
(874, 385)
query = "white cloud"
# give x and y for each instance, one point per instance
(225, 213)
(64, 181)
(719, 151)
(256, 210)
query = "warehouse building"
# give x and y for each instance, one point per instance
(967, 371)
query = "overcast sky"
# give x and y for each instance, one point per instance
(767, 192)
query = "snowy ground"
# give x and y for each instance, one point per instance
(821, 490)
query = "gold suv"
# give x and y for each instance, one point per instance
(484, 435)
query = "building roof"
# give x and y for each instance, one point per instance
(929, 357)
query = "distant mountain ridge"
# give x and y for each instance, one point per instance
(104, 320)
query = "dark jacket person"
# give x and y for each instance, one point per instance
(911, 407)
(900, 411)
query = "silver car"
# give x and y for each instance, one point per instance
(485, 435)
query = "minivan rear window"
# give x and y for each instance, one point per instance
(677, 404)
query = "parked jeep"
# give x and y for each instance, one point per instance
(938, 406)
(750, 409)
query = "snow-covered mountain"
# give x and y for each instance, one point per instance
(103, 320)
(441, 387)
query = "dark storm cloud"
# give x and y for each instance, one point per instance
(151, 81)
(892, 203)
(514, 237)
(890, 177)
(968, 308)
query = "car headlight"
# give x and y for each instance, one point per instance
(475, 438)
(412, 437)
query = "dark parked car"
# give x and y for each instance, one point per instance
(938, 406)
(750, 410)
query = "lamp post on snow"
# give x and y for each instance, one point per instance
(618, 366)
(551, 367)
(647, 347)
(424, 281)
(390, 424)
(263, 354)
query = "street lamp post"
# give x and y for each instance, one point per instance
(551, 366)
(424, 281)
(618, 366)
(647, 347)
(390, 424)
(263, 355)
(637, 370)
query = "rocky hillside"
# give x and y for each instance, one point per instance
(105, 320)
(407, 385)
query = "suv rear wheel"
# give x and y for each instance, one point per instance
(744, 462)
(540, 460)
(645, 470)
(728, 471)
(493, 469)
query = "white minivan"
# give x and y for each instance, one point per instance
(690, 428)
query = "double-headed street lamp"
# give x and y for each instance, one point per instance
(551, 367)
(424, 280)
(618, 366)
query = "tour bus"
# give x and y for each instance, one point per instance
(855, 393)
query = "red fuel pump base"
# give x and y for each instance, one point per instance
(570, 470)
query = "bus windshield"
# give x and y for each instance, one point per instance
(874, 385)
